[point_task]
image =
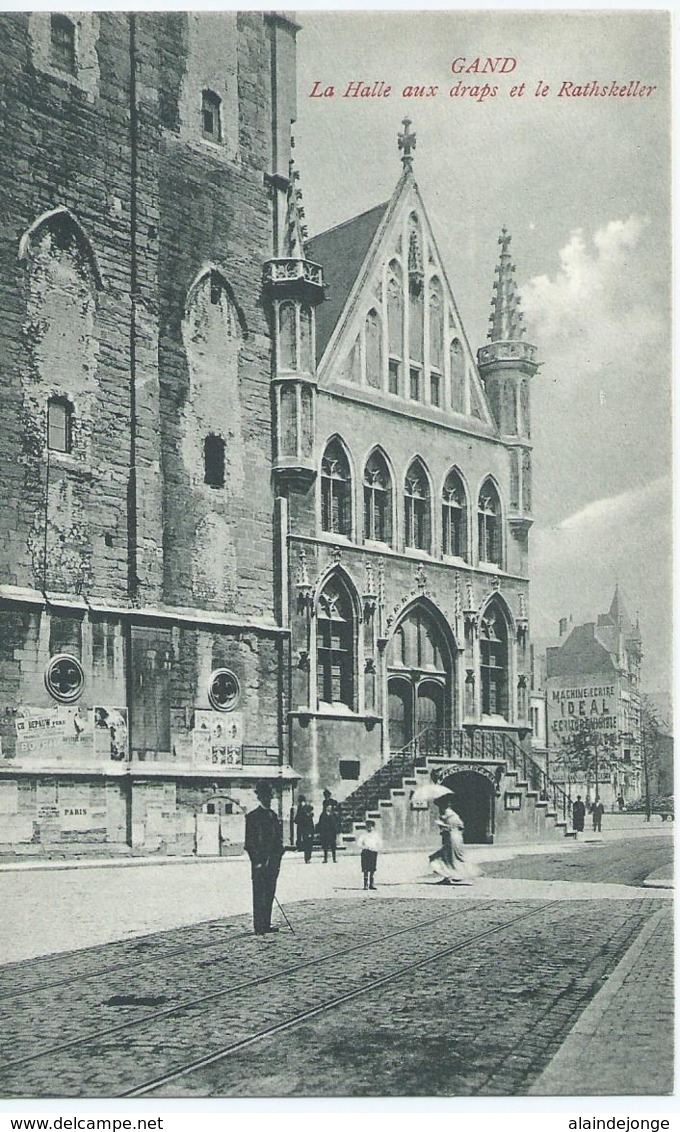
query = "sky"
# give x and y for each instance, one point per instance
(583, 186)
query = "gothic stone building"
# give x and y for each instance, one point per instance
(252, 527)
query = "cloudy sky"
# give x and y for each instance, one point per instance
(582, 185)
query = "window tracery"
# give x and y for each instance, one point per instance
(377, 500)
(417, 508)
(336, 491)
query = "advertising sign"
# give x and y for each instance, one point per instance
(589, 707)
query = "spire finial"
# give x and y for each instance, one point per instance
(507, 320)
(406, 141)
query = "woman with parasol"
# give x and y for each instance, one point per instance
(448, 862)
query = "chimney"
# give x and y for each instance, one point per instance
(563, 626)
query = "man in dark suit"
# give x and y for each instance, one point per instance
(264, 846)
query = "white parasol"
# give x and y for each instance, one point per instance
(430, 792)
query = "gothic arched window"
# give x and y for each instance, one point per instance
(287, 351)
(493, 640)
(436, 308)
(526, 480)
(306, 361)
(335, 645)
(336, 491)
(457, 366)
(417, 508)
(395, 326)
(454, 517)
(373, 350)
(489, 524)
(377, 500)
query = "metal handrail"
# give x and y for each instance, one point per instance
(483, 743)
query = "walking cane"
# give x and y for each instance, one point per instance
(284, 915)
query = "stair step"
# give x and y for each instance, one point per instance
(385, 805)
(397, 793)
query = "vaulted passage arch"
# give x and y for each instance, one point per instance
(474, 802)
(420, 676)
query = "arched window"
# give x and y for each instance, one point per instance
(373, 350)
(489, 524)
(213, 461)
(493, 639)
(377, 500)
(336, 491)
(306, 362)
(514, 478)
(59, 424)
(454, 517)
(287, 351)
(525, 405)
(526, 480)
(211, 124)
(457, 365)
(335, 646)
(417, 508)
(63, 43)
(395, 326)
(436, 341)
(354, 363)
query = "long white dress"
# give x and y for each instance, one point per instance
(449, 862)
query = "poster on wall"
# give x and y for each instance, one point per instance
(217, 738)
(110, 733)
(57, 734)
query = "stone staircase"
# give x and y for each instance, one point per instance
(385, 797)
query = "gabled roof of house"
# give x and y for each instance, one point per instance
(341, 252)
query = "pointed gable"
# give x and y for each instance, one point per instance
(390, 326)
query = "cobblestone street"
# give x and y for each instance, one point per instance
(415, 990)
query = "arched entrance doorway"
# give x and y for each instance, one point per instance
(420, 677)
(475, 803)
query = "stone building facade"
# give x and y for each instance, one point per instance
(408, 517)
(141, 655)
(253, 526)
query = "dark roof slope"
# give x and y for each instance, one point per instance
(580, 655)
(341, 252)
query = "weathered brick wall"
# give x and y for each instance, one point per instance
(66, 145)
(214, 357)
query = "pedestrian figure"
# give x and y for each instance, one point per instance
(597, 812)
(578, 814)
(370, 843)
(621, 803)
(329, 800)
(306, 830)
(299, 820)
(328, 830)
(449, 862)
(264, 846)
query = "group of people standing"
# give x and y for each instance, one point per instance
(264, 846)
(327, 827)
(578, 814)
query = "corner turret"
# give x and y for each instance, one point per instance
(506, 366)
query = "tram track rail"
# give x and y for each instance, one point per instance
(206, 999)
(126, 966)
(332, 1003)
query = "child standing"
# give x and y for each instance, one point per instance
(370, 843)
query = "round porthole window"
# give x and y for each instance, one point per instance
(224, 691)
(64, 678)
